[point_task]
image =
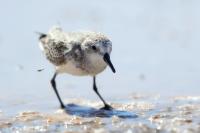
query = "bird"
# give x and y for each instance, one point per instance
(81, 53)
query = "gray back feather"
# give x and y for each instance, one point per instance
(55, 52)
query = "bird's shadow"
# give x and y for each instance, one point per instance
(84, 111)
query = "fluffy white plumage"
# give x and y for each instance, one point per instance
(91, 62)
(77, 53)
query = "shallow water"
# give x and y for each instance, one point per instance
(138, 114)
(155, 51)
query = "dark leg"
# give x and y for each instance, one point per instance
(53, 83)
(106, 106)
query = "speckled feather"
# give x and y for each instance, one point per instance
(71, 51)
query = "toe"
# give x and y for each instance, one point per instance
(62, 106)
(107, 107)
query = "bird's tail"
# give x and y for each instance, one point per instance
(41, 35)
(41, 39)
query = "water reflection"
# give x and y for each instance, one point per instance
(84, 111)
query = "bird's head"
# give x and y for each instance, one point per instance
(99, 47)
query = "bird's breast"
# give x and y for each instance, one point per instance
(72, 68)
(91, 65)
(96, 64)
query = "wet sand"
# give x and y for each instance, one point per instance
(138, 114)
(155, 50)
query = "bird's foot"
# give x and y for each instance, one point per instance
(107, 107)
(62, 106)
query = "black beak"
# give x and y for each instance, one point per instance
(106, 58)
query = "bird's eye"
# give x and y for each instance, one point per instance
(94, 47)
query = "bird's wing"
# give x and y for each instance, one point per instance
(59, 47)
(55, 51)
(56, 46)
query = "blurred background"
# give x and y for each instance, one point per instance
(155, 48)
